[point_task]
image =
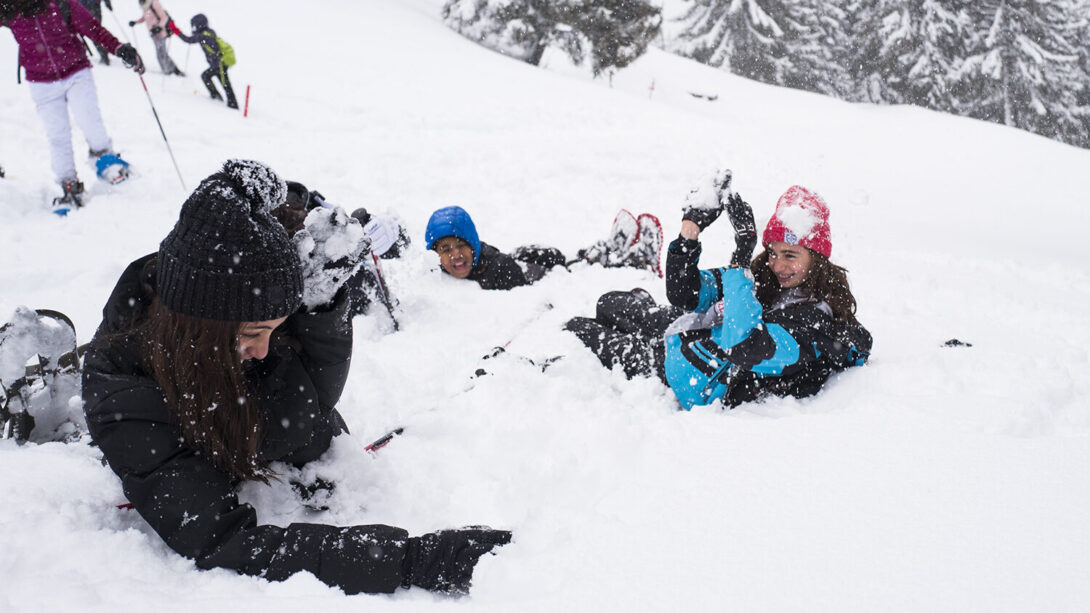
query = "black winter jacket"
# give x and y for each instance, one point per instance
(497, 270)
(209, 44)
(191, 504)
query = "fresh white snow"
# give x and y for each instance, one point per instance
(932, 479)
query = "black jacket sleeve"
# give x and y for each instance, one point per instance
(683, 273)
(496, 270)
(192, 505)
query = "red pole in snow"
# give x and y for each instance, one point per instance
(246, 107)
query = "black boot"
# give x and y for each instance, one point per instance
(71, 199)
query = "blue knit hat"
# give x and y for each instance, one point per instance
(453, 221)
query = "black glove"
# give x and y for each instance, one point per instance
(156, 29)
(132, 24)
(704, 204)
(130, 58)
(745, 231)
(443, 561)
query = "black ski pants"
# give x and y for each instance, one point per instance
(219, 71)
(628, 329)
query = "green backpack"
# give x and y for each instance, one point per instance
(227, 52)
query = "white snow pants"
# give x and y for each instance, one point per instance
(53, 101)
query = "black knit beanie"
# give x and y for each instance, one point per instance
(227, 258)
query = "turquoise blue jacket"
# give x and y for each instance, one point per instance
(727, 348)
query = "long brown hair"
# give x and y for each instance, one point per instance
(196, 363)
(824, 281)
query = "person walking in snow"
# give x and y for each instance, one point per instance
(59, 74)
(451, 233)
(156, 19)
(227, 351)
(95, 8)
(779, 325)
(387, 238)
(213, 54)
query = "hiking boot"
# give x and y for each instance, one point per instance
(71, 199)
(647, 250)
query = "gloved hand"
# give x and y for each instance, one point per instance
(705, 202)
(172, 28)
(383, 233)
(130, 58)
(155, 30)
(745, 230)
(331, 246)
(132, 24)
(443, 561)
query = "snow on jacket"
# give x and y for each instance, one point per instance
(193, 505)
(50, 49)
(155, 18)
(727, 348)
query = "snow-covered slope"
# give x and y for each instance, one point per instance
(932, 479)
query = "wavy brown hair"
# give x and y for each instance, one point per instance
(196, 363)
(824, 281)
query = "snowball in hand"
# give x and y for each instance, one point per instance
(711, 192)
(331, 246)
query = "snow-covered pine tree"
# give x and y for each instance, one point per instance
(618, 30)
(519, 28)
(615, 31)
(906, 50)
(1025, 68)
(817, 45)
(740, 36)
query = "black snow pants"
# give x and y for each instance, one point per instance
(219, 71)
(628, 330)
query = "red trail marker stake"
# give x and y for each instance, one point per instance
(246, 106)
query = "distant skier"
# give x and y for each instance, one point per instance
(156, 19)
(51, 52)
(218, 61)
(220, 360)
(451, 233)
(95, 8)
(725, 337)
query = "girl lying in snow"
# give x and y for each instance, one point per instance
(781, 327)
(205, 370)
(451, 233)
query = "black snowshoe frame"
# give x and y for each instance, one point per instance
(16, 422)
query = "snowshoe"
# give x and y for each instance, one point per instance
(39, 377)
(111, 168)
(71, 199)
(646, 252)
(622, 236)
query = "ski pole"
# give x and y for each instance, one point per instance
(169, 150)
(383, 440)
(389, 436)
(384, 293)
(119, 26)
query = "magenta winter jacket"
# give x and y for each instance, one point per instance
(50, 49)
